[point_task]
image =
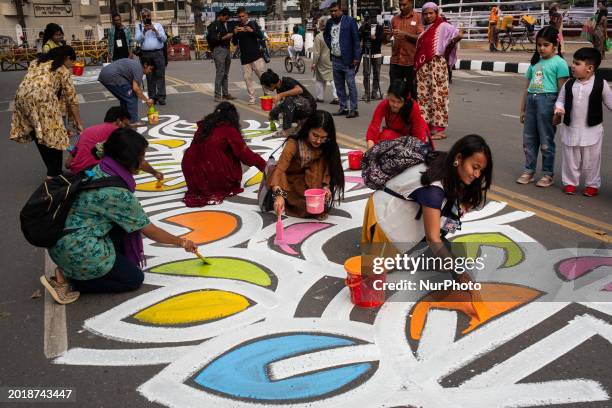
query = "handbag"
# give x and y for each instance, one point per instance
(264, 195)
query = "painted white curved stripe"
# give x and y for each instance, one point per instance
(123, 357)
(340, 307)
(307, 363)
(438, 334)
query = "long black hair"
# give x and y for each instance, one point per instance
(330, 149)
(127, 147)
(551, 35)
(400, 90)
(269, 78)
(441, 167)
(58, 55)
(51, 29)
(224, 112)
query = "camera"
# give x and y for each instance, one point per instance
(148, 21)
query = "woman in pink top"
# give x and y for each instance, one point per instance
(81, 156)
(402, 117)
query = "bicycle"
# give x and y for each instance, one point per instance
(298, 62)
(524, 37)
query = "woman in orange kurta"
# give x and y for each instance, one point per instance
(310, 159)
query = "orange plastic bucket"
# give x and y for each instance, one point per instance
(266, 103)
(363, 292)
(78, 68)
(354, 159)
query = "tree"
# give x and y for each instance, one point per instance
(196, 7)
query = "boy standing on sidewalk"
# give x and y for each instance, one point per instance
(580, 103)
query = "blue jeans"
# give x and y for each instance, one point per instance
(127, 99)
(539, 132)
(344, 75)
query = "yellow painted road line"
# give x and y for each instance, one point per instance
(498, 193)
(540, 204)
(552, 218)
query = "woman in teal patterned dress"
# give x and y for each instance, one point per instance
(102, 250)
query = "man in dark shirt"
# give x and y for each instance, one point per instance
(119, 40)
(371, 34)
(248, 35)
(219, 37)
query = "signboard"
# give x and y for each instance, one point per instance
(372, 6)
(253, 5)
(52, 10)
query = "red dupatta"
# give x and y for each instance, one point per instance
(427, 44)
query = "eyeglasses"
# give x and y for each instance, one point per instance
(319, 138)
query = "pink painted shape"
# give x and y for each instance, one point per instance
(608, 287)
(574, 268)
(353, 179)
(279, 239)
(296, 233)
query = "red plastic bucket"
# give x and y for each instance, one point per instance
(354, 159)
(266, 103)
(315, 200)
(78, 68)
(363, 292)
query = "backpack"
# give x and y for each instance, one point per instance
(389, 158)
(44, 215)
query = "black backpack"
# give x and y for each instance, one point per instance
(44, 215)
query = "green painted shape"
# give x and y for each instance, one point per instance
(473, 242)
(225, 268)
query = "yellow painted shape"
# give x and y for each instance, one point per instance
(487, 305)
(256, 179)
(152, 185)
(200, 306)
(171, 143)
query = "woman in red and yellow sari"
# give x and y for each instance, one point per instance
(436, 50)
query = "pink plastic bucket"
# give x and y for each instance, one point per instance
(315, 200)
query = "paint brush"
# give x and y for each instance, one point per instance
(280, 231)
(204, 260)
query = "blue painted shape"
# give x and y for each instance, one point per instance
(242, 373)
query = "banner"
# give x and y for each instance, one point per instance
(52, 10)
(253, 5)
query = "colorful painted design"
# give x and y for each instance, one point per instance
(200, 306)
(402, 354)
(206, 226)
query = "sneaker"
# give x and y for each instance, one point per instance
(219, 99)
(335, 102)
(352, 114)
(591, 191)
(569, 189)
(341, 112)
(252, 101)
(161, 101)
(545, 181)
(60, 292)
(320, 101)
(229, 97)
(525, 178)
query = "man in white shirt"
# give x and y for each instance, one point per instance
(152, 39)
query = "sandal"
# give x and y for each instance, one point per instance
(438, 136)
(60, 292)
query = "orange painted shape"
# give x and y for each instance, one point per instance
(206, 226)
(479, 311)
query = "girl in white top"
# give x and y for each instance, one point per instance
(581, 101)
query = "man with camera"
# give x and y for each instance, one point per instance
(152, 39)
(218, 38)
(371, 34)
(248, 36)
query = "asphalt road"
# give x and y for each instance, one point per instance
(481, 103)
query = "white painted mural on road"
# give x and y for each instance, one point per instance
(243, 331)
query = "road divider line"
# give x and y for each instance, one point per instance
(540, 204)
(507, 115)
(498, 193)
(55, 341)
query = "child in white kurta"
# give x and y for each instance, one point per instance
(582, 130)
